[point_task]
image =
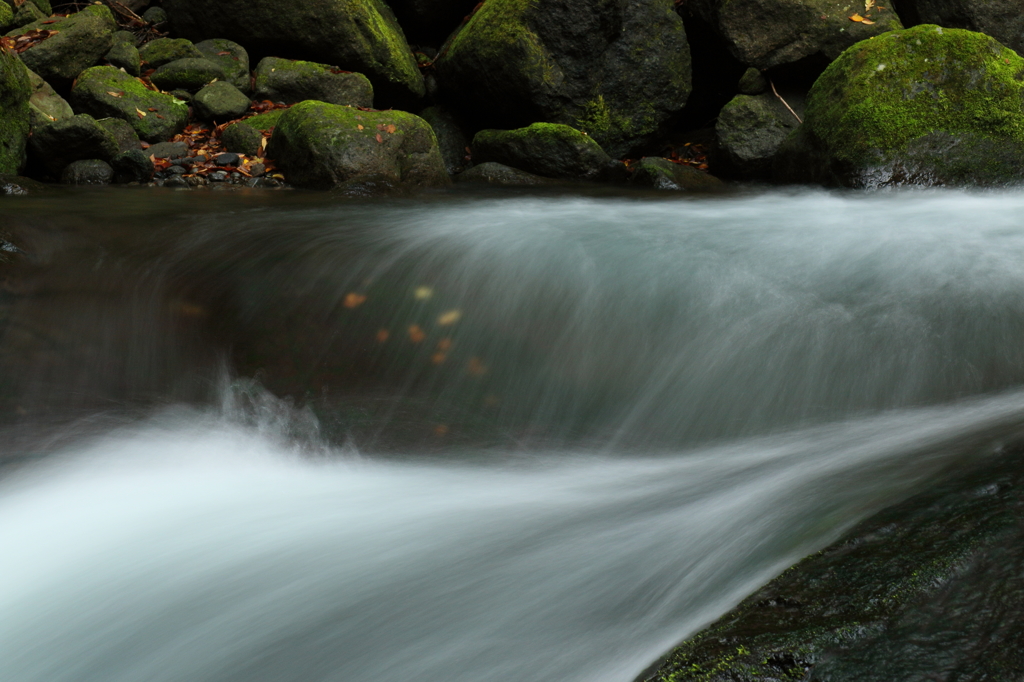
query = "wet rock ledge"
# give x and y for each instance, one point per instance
(930, 589)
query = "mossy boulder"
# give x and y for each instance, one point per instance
(492, 173)
(187, 74)
(220, 101)
(27, 13)
(124, 55)
(15, 90)
(104, 91)
(162, 51)
(6, 16)
(59, 143)
(618, 71)
(44, 6)
(123, 133)
(133, 165)
(451, 139)
(357, 35)
(769, 33)
(656, 172)
(80, 42)
(922, 106)
(45, 105)
(324, 146)
(232, 58)
(292, 81)
(553, 150)
(242, 138)
(1001, 19)
(749, 131)
(930, 589)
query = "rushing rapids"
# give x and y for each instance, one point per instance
(538, 438)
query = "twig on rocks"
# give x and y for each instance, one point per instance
(784, 102)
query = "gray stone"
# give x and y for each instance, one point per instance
(168, 150)
(660, 173)
(752, 82)
(1001, 19)
(59, 143)
(290, 82)
(187, 74)
(750, 130)
(125, 56)
(242, 138)
(87, 172)
(125, 135)
(27, 14)
(220, 101)
(155, 15)
(232, 58)
(549, 149)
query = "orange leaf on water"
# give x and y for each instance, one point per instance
(383, 335)
(416, 334)
(353, 300)
(867, 21)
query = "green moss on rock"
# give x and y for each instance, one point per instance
(553, 150)
(6, 16)
(15, 91)
(290, 81)
(104, 91)
(162, 51)
(80, 42)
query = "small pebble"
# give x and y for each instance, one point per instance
(227, 159)
(218, 176)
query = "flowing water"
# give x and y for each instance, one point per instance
(498, 436)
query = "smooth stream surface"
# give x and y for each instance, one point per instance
(285, 437)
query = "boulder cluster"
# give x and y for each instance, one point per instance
(368, 95)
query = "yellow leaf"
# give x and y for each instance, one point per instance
(354, 300)
(359, 126)
(422, 293)
(115, 94)
(867, 21)
(140, 112)
(857, 18)
(868, 4)
(450, 317)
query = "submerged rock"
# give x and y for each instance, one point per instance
(104, 91)
(549, 149)
(660, 173)
(15, 91)
(750, 130)
(357, 36)
(922, 106)
(929, 589)
(80, 41)
(323, 146)
(769, 33)
(292, 81)
(616, 70)
(493, 173)
(87, 172)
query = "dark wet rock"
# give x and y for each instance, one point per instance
(357, 36)
(769, 33)
(122, 132)
(430, 22)
(81, 41)
(183, 95)
(155, 15)
(750, 130)
(752, 82)
(232, 58)
(124, 55)
(15, 185)
(187, 74)
(220, 101)
(45, 105)
(62, 142)
(104, 91)
(27, 14)
(290, 82)
(133, 165)
(493, 173)
(228, 159)
(178, 182)
(15, 91)
(451, 140)
(242, 138)
(162, 51)
(168, 150)
(922, 106)
(124, 37)
(618, 71)
(44, 6)
(549, 149)
(87, 172)
(930, 589)
(321, 146)
(1001, 19)
(660, 173)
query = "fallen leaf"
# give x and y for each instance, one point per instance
(867, 21)
(438, 357)
(115, 94)
(450, 317)
(140, 112)
(444, 344)
(390, 128)
(416, 334)
(856, 17)
(422, 293)
(868, 4)
(359, 126)
(353, 300)
(151, 109)
(383, 335)
(379, 138)
(223, 53)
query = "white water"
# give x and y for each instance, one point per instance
(219, 545)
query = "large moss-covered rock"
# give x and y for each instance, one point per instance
(931, 589)
(232, 58)
(613, 69)
(44, 6)
(124, 55)
(553, 150)
(81, 41)
(357, 35)
(104, 91)
(1001, 19)
(922, 106)
(324, 146)
(220, 101)
(187, 74)
(749, 131)
(45, 105)
(59, 143)
(6, 16)
(292, 81)
(15, 91)
(768, 33)
(123, 133)
(162, 51)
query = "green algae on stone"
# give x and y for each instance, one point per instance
(6, 16)
(924, 105)
(553, 150)
(357, 35)
(162, 51)
(750, 130)
(104, 91)
(80, 41)
(232, 58)
(187, 74)
(618, 71)
(15, 91)
(290, 81)
(325, 146)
